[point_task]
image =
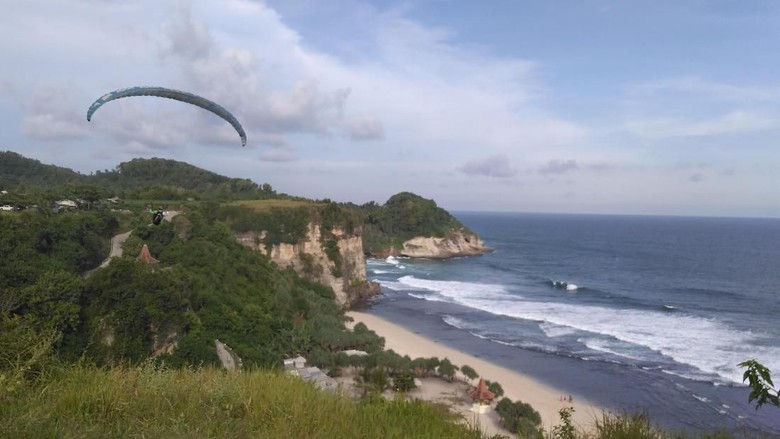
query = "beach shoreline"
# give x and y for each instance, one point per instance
(545, 399)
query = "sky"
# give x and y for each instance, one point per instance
(665, 107)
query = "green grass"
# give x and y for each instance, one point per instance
(85, 402)
(262, 205)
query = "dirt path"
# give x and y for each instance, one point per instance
(118, 240)
(116, 247)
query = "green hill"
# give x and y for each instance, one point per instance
(166, 179)
(153, 178)
(17, 170)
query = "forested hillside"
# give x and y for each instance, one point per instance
(17, 170)
(152, 178)
(206, 287)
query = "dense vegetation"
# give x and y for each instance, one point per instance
(153, 178)
(402, 217)
(34, 243)
(17, 170)
(60, 321)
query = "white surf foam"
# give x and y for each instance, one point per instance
(602, 345)
(562, 284)
(552, 330)
(391, 285)
(431, 297)
(710, 346)
(459, 290)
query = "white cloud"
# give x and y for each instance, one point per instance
(277, 155)
(439, 109)
(51, 114)
(733, 122)
(694, 107)
(365, 128)
(709, 90)
(697, 177)
(494, 166)
(559, 166)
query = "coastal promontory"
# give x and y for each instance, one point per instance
(412, 226)
(455, 244)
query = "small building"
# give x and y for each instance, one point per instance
(482, 397)
(355, 353)
(294, 363)
(145, 256)
(66, 204)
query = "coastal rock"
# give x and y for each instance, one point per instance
(309, 259)
(455, 244)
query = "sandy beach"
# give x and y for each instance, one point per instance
(544, 399)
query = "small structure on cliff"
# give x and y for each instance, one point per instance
(294, 363)
(145, 256)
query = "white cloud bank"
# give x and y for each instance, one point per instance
(408, 107)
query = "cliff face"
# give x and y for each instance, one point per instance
(453, 245)
(309, 259)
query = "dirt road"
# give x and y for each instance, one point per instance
(116, 247)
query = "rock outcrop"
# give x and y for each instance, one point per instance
(310, 260)
(455, 244)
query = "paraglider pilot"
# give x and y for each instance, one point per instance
(157, 215)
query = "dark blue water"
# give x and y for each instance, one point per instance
(635, 313)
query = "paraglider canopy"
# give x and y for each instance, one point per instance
(168, 93)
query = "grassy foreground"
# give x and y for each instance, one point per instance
(146, 401)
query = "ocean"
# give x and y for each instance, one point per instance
(634, 313)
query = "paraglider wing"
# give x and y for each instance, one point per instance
(177, 95)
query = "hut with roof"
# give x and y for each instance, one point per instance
(482, 397)
(145, 256)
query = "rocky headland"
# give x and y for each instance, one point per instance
(455, 244)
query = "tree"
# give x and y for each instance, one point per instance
(496, 388)
(470, 373)
(376, 379)
(566, 429)
(760, 380)
(52, 302)
(430, 365)
(404, 381)
(519, 417)
(419, 366)
(447, 369)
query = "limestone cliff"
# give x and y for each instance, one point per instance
(455, 244)
(309, 258)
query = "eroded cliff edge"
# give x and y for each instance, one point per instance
(455, 244)
(338, 261)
